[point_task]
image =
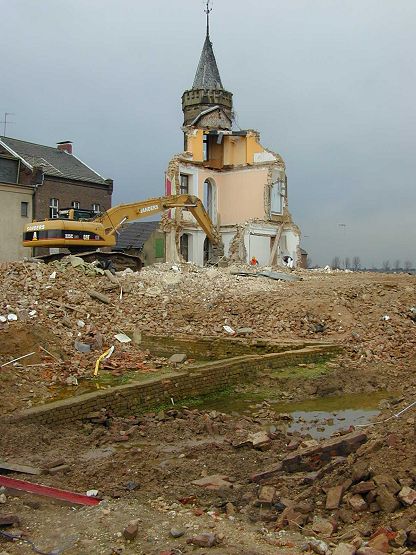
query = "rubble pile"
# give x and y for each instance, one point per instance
(202, 473)
(371, 314)
(183, 480)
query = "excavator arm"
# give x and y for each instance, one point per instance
(115, 217)
(100, 232)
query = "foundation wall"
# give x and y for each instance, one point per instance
(137, 397)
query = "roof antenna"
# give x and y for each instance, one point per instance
(5, 122)
(208, 10)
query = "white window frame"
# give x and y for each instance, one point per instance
(184, 179)
(75, 204)
(96, 208)
(277, 191)
(53, 208)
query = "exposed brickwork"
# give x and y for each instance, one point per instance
(133, 398)
(67, 191)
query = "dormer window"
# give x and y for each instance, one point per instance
(9, 170)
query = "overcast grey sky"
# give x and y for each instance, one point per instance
(330, 84)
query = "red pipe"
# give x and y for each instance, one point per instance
(47, 491)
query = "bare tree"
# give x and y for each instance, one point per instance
(386, 265)
(397, 265)
(407, 265)
(347, 262)
(336, 263)
(356, 263)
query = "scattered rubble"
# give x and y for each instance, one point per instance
(208, 481)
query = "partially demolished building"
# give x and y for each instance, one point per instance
(242, 184)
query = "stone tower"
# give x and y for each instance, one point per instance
(207, 96)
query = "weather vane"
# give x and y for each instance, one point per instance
(208, 10)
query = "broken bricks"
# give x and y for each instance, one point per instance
(206, 539)
(131, 530)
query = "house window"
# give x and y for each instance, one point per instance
(96, 208)
(8, 170)
(184, 186)
(277, 194)
(53, 208)
(75, 204)
(24, 209)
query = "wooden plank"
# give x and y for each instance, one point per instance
(24, 469)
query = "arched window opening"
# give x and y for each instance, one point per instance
(184, 246)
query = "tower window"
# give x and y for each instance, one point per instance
(205, 148)
(24, 206)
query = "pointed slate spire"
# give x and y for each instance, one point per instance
(207, 75)
(207, 96)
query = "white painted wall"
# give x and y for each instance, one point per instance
(12, 223)
(259, 246)
(227, 240)
(291, 242)
(196, 252)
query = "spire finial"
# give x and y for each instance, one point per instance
(208, 10)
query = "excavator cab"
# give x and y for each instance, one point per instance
(76, 214)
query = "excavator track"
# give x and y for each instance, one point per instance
(118, 260)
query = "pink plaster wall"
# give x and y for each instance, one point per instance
(240, 194)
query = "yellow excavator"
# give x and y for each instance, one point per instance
(81, 232)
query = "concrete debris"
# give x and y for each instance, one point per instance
(214, 482)
(177, 358)
(280, 276)
(407, 496)
(122, 338)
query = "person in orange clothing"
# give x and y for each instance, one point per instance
(254, 261)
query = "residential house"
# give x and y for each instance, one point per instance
(36, 181)
(243, 185)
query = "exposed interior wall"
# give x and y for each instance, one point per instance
(246, 185)
(195, 144)
(253, 146)
(234, 151)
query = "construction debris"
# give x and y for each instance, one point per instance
(253, 475)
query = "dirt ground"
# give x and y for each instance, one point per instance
(143, 466)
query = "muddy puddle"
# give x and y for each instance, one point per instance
(318, 418)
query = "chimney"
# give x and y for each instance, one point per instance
(65, 146)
